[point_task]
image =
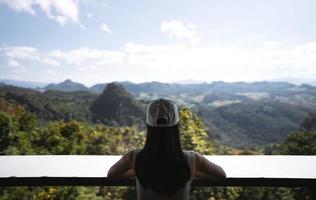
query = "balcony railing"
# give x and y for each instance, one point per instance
(267, 171)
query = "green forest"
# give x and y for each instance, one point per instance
(79, 123)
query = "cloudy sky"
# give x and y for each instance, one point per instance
(93, 41)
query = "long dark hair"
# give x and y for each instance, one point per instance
(161, 165)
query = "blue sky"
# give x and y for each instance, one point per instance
(93, 41)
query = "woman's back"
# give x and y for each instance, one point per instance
(181, 194)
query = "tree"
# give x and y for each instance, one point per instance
(27, 121)
(193, 133)
(5, 125)
(309, 123)
(299, 143)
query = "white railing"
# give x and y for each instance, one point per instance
(286, 171)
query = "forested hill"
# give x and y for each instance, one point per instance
(51, 105)
(115, 106)
(66, 86)
(238, 114)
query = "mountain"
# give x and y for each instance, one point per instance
(66, 86)
(249, 123)
(155, 87)
(98, 88)
(238, 114)
(198, 88)
(24, 84)
(297, 81)
(188, 81)
(115, 106)
(51, 105)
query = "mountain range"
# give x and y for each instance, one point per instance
(238, 114)
(75, 86)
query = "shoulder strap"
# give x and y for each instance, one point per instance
(135, 153)
(191, 159)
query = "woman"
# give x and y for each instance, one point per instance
(163, 170)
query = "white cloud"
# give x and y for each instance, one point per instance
(18, 54)
(95, 2)
(21, 5)
(139, 62)
(88, 57)
(226, 62)
(105, 28)
(50, 72)
(22, 52)
(13, 63)
(62, 11)
(181, 31)
(271, 44)
(50, 61)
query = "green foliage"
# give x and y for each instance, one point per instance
(5, 123)
(25, 137)
(51, 105)
(194, 135)
(299, 143)
(255, 193)
(27, 121)
(302, 142)
(118, 193)
(49, 193)
(253, 123)
(5, 126)
(309, 123)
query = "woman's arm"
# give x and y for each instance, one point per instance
(207, 169)
(122, 168)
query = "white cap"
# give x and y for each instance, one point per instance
(162, 113)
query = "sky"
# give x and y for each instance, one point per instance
(99, 41)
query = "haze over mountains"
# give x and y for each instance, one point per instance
(237, 114)
(36, 84)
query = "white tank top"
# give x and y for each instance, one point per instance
(182, 194)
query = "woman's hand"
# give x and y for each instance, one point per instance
(128, 174)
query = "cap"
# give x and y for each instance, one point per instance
(162, 113)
